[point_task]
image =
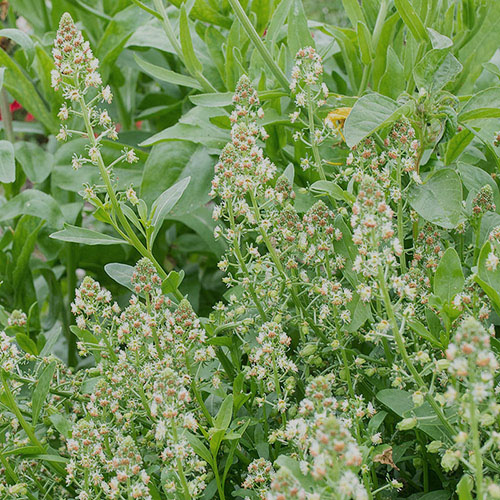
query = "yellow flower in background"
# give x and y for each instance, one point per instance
(336, 119)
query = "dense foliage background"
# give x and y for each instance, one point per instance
(411, 106)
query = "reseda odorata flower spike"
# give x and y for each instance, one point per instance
(77, 76)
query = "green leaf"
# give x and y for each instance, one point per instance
(62, 424)
(411, 19)
(332, 189)
(199, 448)
(353, 11)
(449, 278)
(364, 42)
(165, 203)
(166, 75)
(192, 63)
(36, 162)
(172, 282)
(474, 178)
(421, 330)
(456, 145)
(484, 104)
(20, 37)
(439, 199)
(488, 278)
(7, 162)
(369, 114)
(36, 203)
(464, 488)
(26, 344)
(393, 82)
(436, 69)
(214, 100)
(74, 234)
(299, 35)
(225, 413)
(89, 339)
(41, 391)
(21, 89)
(121, 273)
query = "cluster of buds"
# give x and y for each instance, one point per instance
(373, 229)
(92, 301)
(269, 361)
(146, 353)
(330, 459)
(472, 362)
(77, 75)
(9, 353)
(259, 476)
(307, 79)
(145, 278)
(101, 469)
(483, 202)
(242, 166)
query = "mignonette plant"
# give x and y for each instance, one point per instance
(301, 286)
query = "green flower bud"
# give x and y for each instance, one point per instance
(450, 460)
(407, 423)
(434, 446)
(418, 398)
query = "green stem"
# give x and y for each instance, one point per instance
(259, 44)
(312, 129)
(401, 232)
(180, 467)
(398, 337)
(6, 117)
(478, 466)
(242, 263)
(132, 237)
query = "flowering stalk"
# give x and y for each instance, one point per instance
(77, 74)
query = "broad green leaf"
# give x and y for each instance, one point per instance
(484, 104)
(85, 236)
(7, 162)
(36, 162)
(41, 391)
(192, 63)
(421, 330)
(166, 75)
(370, 113)
(62, 424)
(401, 403)
(26, 344)
(393, 82)
(21, 38)
(464, 488)
(21, 88)
(354, 12)
(121, 273)
(449, 278)
(489, 221)
(199, 448)
(172, 282)
(332, 189)
(214, 100)
(365, 42)
(36, 203)
(165, 203)
(436, 69)
(474, 178)
(487, 277)
(89, 339)
(411, 19)
(456, 145)
(438, 40)
(439, 199)
(299, 35)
